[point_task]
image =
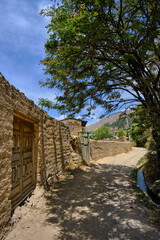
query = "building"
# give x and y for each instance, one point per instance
(34, 149)
(75, 125)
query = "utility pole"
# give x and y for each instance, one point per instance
(127, 122)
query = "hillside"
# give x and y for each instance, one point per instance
(110, 119)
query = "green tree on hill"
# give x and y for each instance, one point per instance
(119, 123)
(99, 49)
(102, 133)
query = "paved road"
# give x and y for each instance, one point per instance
(96, 203)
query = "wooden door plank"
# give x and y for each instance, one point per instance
(22, 161)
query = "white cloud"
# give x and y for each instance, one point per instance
(61, 117)
(79, 117)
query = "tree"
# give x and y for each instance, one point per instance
(102, 133)
(99, 49)
(138, 134)
(120, 133)
(141, 128)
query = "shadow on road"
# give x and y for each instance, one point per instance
(99, 203)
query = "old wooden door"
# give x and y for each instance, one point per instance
(22, 161)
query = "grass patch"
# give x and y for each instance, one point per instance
(142, 159)
(142, 197)
(133, 144)
(134, 175)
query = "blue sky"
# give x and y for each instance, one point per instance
(22, 38)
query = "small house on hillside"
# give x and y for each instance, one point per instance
(75, 125)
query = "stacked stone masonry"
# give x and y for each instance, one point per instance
(52, 148)
(101, 149)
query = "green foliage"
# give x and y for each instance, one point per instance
(45, 103)
(142, 196)
(150, 144)
(97, 50)
(142, 159)
(120, 133)
(141, 128)
(119, 123)
(102, 133)
(83, 130)
(108, 125)
(137, 132)
(134, 175)
(127, 134)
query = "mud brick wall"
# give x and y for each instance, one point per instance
(52, 148)
(74, 125)
(5, 163)
(101, 149)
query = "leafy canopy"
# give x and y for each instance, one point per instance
(99, 49)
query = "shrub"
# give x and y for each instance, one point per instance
(120, 133)
(102, 133)
(138, 135)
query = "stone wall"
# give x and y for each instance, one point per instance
(5, 164)
(101, 149)
(52, 148)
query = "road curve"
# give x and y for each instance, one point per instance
(95, 203)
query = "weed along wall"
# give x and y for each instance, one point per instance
(101, 149)
(34, 148)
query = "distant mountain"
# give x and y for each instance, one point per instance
(110, 119)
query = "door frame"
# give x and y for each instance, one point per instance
(35, 125)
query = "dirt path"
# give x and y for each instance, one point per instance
(96, 203)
